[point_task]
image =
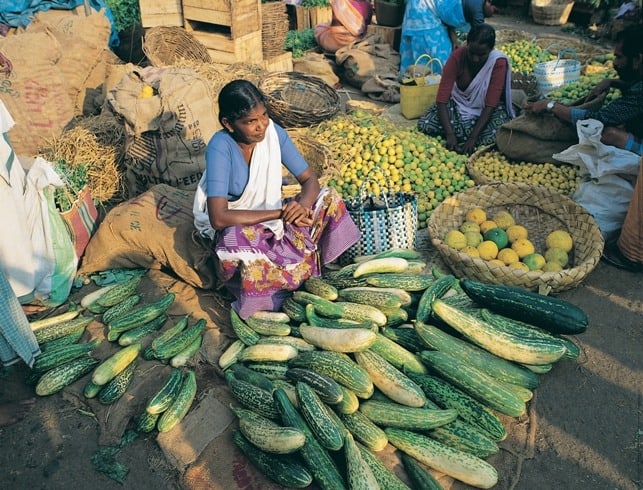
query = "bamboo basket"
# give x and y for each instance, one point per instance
(537, 208)
(317, 155)
(274, 28)
(165, 45)
(551, 12)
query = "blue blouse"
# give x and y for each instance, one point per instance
(227, 171)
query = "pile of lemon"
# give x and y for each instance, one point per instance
(578, 90)
(500, 240)
(378, 157)
(524, 55)
(561, 177)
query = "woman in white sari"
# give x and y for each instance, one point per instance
(266, 248)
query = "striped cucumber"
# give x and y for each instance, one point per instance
(120, 292)
(320, 321)
(397, 355)
(63, 375)
(178, 327)
(184, 357)
(137, 334)
(419, 476)
(115, 363)
(405, 336)
(317, 285)
(323, 306)
(252, 397)
(349, 402)
(180, 405)
(168, 392)
(465, 437)
(391, 414)
(295, 311)
(243, 372)
(70, 314)
(71, 338)
(116, 388)
(372, 296)
(457, 464)
(435, 291)
(273, 316)
(316, 415)
(179, 342)
(386, 478)
(121, 308)
(381, 265)
(326, 388)
(231, 354)
(268, 327)
(247, 335)
(361, 313)
(55, 357)
(359, 473)
(58, 330)
(408, 282)
(364, 430)
(266, 434)
(268, 352)
(142, 314)
(146, 422)
(390, 380)
(338, 339)
(270, 369)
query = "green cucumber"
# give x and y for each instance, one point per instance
(116, 388)
(55, 357)
(142, 314)
(180, 405)
(63, 375)
(391, 414)
(137, 334)
(316, 415)
(419, 476)
(168, 392)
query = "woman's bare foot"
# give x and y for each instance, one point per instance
(13, 412)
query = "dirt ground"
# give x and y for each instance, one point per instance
(583, 429)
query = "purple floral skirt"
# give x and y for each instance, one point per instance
(261, 271)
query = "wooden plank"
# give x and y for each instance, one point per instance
(161, 13)
(388, 35)
(282, 62)
(240, 16)
(223, 49)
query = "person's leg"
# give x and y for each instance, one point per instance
(621, 139)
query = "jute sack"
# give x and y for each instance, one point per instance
(167, 133)
(536, 137)
(363, 59)
(154, 231)
(35, 92)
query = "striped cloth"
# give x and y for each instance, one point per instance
(17, 341)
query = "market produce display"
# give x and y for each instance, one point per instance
(376, 156)
(524, 55)
(357, 376)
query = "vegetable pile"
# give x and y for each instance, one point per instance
(382, 352)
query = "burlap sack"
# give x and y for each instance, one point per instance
(319, 65)
(167, 133)
(155, 231)
(35, 93)
(363, 59)
(536, 137)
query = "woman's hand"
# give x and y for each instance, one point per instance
(451, 142)
(469, 146)
(537, 107)
(295, 213)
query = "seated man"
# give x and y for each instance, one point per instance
(623, 128)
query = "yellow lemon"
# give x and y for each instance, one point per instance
(497, 236)
(552, 267)
(520, 266)
(477, 215)
(470, 226)
(523, 247)
(473, 238)
(146, 92)
(508, 256)
(559, 239)
(503, 219)
(455, 239)
(487, 225)
(556, 254)
(471, 251)
(496, 262)
(534, 261)
(488, 250)
(514, 232)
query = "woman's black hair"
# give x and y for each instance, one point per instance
(482, 34)
(237, 99)
(630, 39)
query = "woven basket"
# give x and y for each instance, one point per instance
(538, 209)
(584, 51)
(505, 36)
(274, 28)
(164, 45)
(296, 100)
(317, 155)
(551, 12)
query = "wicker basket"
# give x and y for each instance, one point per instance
(296, 100)
(505, 36)
(551, 12)
(538, 209)
(274, 28)
(317, 155)
(164, 45)
(584, 51)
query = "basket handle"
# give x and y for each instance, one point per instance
(429, 63)
(363, 196)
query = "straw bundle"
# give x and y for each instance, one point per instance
(98, 144)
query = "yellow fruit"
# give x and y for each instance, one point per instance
(470, 226)
(557, 255)
(497, 236)
(146, 92)
(559, 239)
(508, 256)
(503, 219)
(534, 261)
(477, 215)
(488, 250)
(520, 266)
(473, 238)
(552, 267)
(523, 247)
(487, 225)
(455, 239)
(471, 251)
(514, 232)
(497, 262)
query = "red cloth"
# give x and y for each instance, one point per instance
(456, 70)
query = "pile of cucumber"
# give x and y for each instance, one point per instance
(382, 352)
(129, 325)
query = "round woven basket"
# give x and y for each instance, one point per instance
(541, 211)
(317, 155)
(551, 12)
(584, 51)
(504, 36)
(274, 28)
(164, 45)
(297, 100)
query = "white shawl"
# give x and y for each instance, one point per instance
(263, 190)
(470, 101)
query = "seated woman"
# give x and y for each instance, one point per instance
(474, 97)
(265, 247)
(350, 18)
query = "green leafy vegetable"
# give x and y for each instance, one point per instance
(300, 41)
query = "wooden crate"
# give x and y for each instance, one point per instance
(161, 13)
(239, 17)
(226, 50)
(282, 62)
(309, 17)
(388, 35)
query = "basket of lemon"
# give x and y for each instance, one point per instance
(516, 234)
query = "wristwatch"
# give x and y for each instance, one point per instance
(550, 106)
